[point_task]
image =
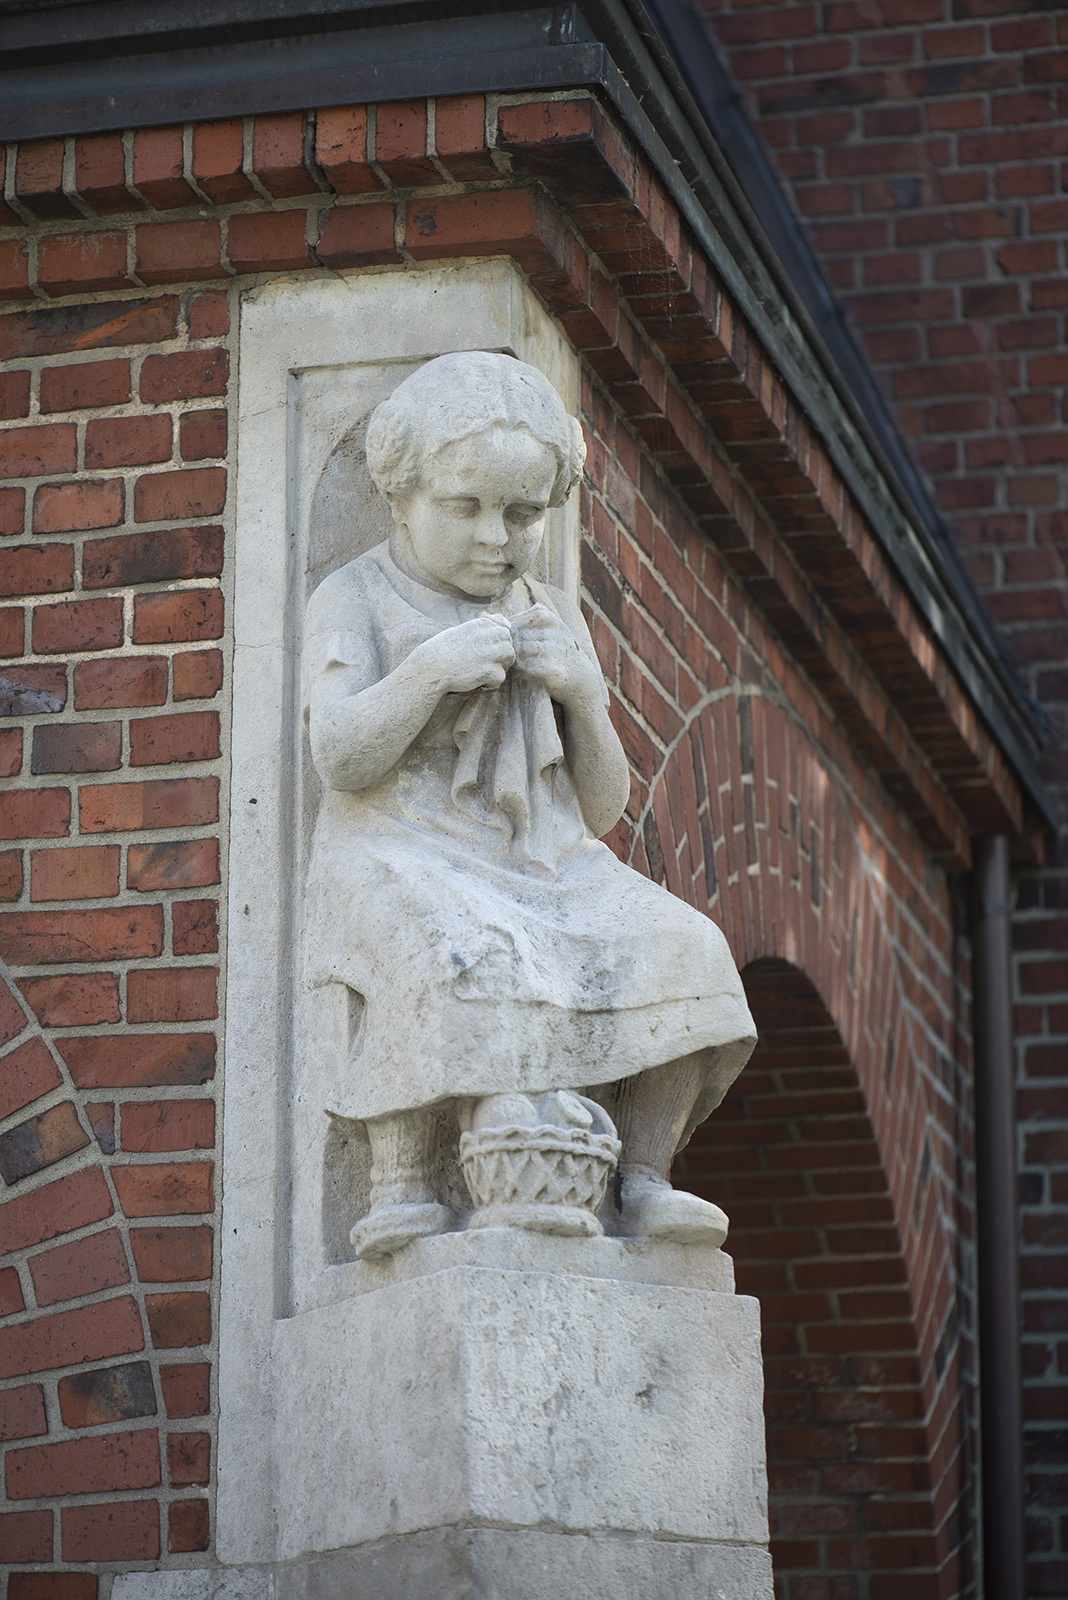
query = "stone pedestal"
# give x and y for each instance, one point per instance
(510, 1415)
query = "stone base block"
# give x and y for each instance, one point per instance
(523, 1405)
(502, 1564)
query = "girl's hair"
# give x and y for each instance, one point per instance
(456, 396)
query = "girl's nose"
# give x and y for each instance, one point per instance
(492, 530)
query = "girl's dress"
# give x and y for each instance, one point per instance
(496, 945)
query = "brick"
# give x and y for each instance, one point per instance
(10, 750)
(125, 1531)
(171, 496)
(127, 681)
(22, 1412)
(14, 395)
(188, 375)
(110, 1394)
(127, 442)
(195, 927)
(400, 143)
(77, 625)
(12, 512)
(358, 236)
(158, 168)
(40, 1142)
(86, 872)
(460, 137)
(145, 1060)
(155, 1125)
(181, 736)
(188, 1526)
(175, 994)
(39, 179)
(84, 1267)
(85, 1466)
(36, 569)
(341, 149)
(152, 557)
(513, 222)
(186, 1389)
(12, 1016)
(10, 874)
(77, 747)
(278, 157)
(271, 241)
(172, 1255)
(65, 1338)
(52, 1586)
(179, 1321)
(159, 803)
(197, 674)
(218, 152)
(34, 814)
(202, 435)
(25, 1075)
(82, 263)
(32, 690)
(12, 643)
(101, 1114)
(177, 252)
(86, 503)
(209, 315)
(108, 933)
(76, 1000)
(26, 1536)
(189, 1459)
(33, 452)
(175, 864)
(100, 174)
(103, 323)
(14, 271)
(178, 618)
(11, 1299)
(165, 1189)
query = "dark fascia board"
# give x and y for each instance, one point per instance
(103, 64)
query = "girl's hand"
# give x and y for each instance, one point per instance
(546, 651)
(473, 655)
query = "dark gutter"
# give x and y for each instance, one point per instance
(102, 64)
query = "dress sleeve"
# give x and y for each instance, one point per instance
(340, 655)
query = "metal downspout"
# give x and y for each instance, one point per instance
(996, 1212)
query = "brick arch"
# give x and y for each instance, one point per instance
(792, 1156)
(748, 820)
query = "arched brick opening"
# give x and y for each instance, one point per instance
(792, 1157)
(811, 876)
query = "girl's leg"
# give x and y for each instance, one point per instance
(404, 1202)
(653, 1115)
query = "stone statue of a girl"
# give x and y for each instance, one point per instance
(459, 723)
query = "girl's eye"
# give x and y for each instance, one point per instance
(524, 515)
(460, 507)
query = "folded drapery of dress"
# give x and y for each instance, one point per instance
(496, 945)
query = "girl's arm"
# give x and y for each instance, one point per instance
(556, 654)
(359, 729)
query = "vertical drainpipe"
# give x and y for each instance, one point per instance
(995, 1182)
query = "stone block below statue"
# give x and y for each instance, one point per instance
(516, 1416)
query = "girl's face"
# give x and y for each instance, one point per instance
(475, 523)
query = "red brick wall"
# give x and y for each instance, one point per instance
(925, 144)
(748, 798)
(114, 477)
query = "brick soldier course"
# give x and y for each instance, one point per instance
(807, 766)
